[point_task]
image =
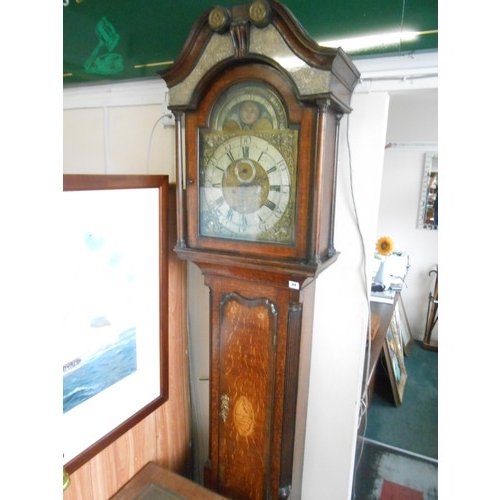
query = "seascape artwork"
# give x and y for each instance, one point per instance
(94, 371)
(100, 347)
(110, 321)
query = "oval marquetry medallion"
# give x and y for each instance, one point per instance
(244, 416)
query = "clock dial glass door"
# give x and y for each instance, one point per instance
(247, 168)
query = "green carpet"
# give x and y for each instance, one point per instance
(413, 425)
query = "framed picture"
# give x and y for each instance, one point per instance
(394, 359)
(114, 313)
(403, 326)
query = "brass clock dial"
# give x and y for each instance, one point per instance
(248, 169)
(247, 188)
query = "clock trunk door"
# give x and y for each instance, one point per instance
(247, 353)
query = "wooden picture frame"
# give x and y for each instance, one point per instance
(394, 360)
(404, 326)
(115, 311)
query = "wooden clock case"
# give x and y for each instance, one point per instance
(261, 293)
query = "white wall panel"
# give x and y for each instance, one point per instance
(84, 141)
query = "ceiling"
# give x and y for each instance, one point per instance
(107, 40)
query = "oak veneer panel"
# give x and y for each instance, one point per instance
(135, 449)
(247, 365)
(105, 479)
(174, 426)
(81, 480)
(121, 460)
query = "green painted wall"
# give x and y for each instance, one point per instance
(114, 40)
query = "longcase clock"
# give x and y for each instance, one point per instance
(257, 105)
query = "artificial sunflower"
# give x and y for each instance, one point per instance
(385, 245)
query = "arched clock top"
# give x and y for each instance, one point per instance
(261, 31)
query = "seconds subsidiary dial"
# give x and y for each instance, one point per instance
(247, 188)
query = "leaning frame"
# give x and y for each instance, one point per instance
(394, 358)
(138, 191)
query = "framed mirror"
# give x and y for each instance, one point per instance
(428, 206)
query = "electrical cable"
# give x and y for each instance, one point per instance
(164, 115)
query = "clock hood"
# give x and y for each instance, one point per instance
(264, 31)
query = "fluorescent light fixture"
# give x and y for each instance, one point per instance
(371, 41)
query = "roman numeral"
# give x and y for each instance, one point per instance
(270, 204)
(219, 201)
(244, 223)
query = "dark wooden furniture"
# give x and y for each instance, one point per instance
(256, 216)
(156, 483)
